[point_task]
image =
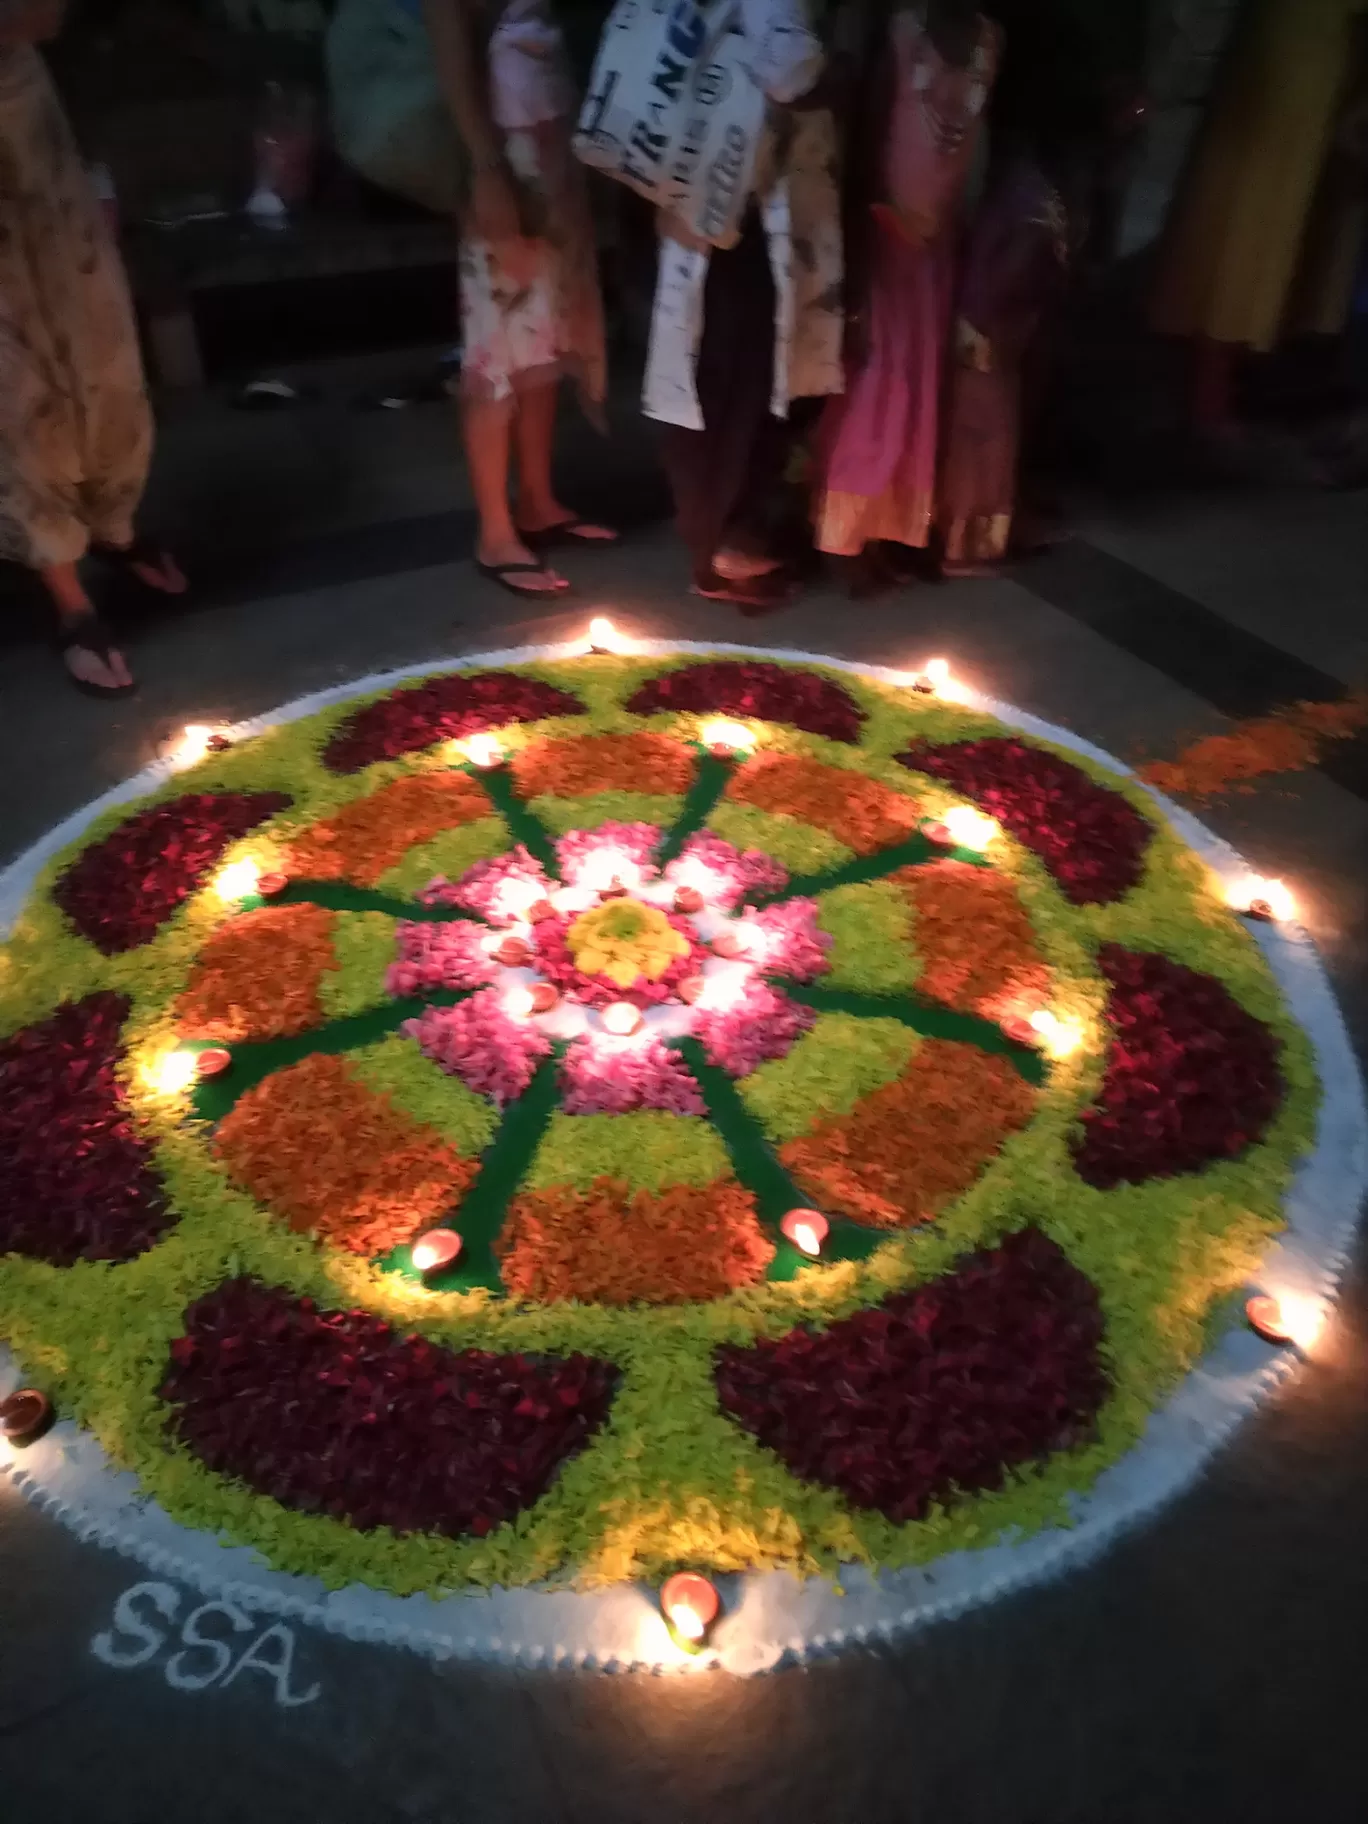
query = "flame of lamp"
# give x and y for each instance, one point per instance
(620, 1018)
(520, 1003)
(726, 738)
(969, 828)
(25, 1416)
(483, 751)
(1290, 1319)
(1054, 1035)
(806, 1229)
(603, 636)
(690, 1604)
(239, 880)
(171, 1073)
(435, 1251)
(1270, 900)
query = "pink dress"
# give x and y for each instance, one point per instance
(877, 447)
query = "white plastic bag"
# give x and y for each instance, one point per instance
(675, 111)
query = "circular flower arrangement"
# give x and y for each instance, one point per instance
(462, 1262)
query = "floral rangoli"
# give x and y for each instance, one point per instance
(514, 1127)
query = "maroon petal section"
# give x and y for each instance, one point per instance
(120, 891)
(1191, 1077)
(443, 709)
(334, 1412)
(938, 1392)
(1091, 839)
(75, 1179)
(771, 693)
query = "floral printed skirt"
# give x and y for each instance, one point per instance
(531, 329)
(75, 429)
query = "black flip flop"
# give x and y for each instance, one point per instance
(569, 532)
(145, 551)
(91, 634)
(500, 573)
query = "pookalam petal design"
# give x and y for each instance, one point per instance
(121, 890)
(936, 1393)
(76, 1179)
(754, 687)
(336, 1412)
(1191, 1076)
(1091, 839)
(442, 709)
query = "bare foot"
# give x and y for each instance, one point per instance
(89, 657)
(740, 566)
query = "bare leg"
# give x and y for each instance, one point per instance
(487, 425)
(87, 665)
(535, 431)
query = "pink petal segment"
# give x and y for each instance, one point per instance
(762, 1024)
(724, 874)
(615, 1078)
(477, 1041)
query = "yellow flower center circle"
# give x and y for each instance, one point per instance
(623, 939)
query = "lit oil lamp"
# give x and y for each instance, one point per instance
(1285, 1320)
(806, 1229)
(25, 1416)
(690, 1605)
(620, 1018)
(434, 1252)
(727, 739)
(1269, 901)
(482, 751)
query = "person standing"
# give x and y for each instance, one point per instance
(738, 333)
(1238, 267)
(924, 89)
(75, 425)
(531, 312)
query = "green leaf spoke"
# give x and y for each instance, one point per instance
(932, 1021)
(255, 1060)
(758, 1168)
(341, 896)
(525, 825)
(503, 1165)
(914, 850)
(710, 781)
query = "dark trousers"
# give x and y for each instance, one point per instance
(723, 476)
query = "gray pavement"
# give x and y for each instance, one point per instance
(1209, 1668)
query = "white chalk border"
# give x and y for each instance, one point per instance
(770, 1618)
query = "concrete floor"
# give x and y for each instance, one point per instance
(1210, 1668)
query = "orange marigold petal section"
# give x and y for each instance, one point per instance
(978, 950)
(904, 1152)
(258, 975)
(580, 765)
(611, 1245)
(864, 813)
(1254, 749)
(364, 839)
(339, 1160)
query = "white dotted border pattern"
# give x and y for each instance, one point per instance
(769, 1618)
